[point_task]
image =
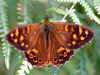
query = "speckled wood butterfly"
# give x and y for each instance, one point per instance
(49, 42)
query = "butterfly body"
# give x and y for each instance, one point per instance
(49, 42)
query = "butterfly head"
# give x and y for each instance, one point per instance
(46, 25)
(46, 20)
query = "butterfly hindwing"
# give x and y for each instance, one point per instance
(77, 35)
(38, 54)
(58, 53)
(21, 37)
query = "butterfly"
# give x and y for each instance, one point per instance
(49, 42)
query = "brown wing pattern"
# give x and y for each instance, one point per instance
(37, 55)
(73, 35)
(58, 54)
(22, 37)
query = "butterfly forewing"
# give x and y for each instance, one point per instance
(77, 35)
(23, 36)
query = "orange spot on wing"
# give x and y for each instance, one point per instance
(28, 51)
(86, 32)
(35, 51)
(21, 38)
(82, 38)
(12, 34)
(74, 42)
(22, 44)
(66, 28)
(26, 46)
(68, 50)
(80, 30)
(15, 40)
(17, 32)
(60, 49)
(75, 36)
(28, 29)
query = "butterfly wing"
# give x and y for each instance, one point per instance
(72, 36)
(23, 36)
(58, 54)
(64, 39)
(37, 55)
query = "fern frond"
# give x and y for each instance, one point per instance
(73, 16)
(89, 11)
(82, 63)
(24, 69)
(87, 8)
(89, 67)
(27, 19)
(6, 52)
(5, 46)
(70, 12)
(96, 4)
(54, 71)
(1, 30)
(70, 1)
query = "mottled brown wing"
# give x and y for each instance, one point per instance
(23, 36)
(72, 36)
(37, 55)
(58, 54)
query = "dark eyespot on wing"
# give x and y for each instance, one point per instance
(17, 39)
(80, 36)
(23, 36)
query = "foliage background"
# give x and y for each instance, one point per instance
(86, 61)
